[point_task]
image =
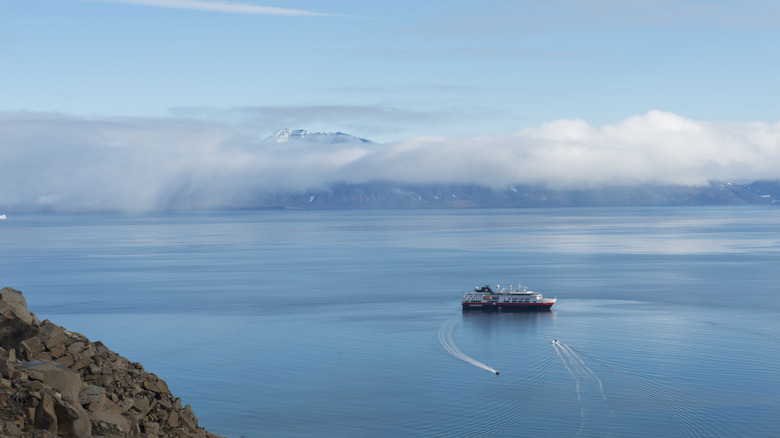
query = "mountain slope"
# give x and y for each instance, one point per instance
(301, 135)
(389, 194)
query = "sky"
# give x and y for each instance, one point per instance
(116, 104)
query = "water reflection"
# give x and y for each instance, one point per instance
(486, 321)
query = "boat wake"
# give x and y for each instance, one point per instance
(596, 417)
(671, 410)
(448, 342)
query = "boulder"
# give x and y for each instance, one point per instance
(92, 394)
(72, 420)
(32, 347)
(16, 322)
(61, 378)
(66, 361)
(156, 385)
(52, 335)
(45, 417)
(173, 419)
(7, 360)
(151, 428)
(81, 363)
(58, 351)
(142, 404)
(13, 303)
(108, 414)
(75, 348)
(188, 418)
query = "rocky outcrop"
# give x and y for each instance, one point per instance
(58, 383)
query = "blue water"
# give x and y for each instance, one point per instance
(336, 323)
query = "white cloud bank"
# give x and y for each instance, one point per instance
(70, 163)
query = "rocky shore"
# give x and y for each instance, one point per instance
(57, 383)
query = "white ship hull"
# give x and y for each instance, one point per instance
(519, 299)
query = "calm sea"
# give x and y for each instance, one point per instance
(342, 323)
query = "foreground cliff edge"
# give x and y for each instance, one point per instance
(57, 383)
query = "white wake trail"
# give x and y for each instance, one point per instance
(593, 404)
(586, 368)
(448, 342)
(568, 364)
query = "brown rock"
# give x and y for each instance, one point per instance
(58, 351)
(120, 363)
(141, 404)
(12, 303)
(63, 379)
(72, 420)
(92, 394)
(89, 351)
(75, 348)
(158, 386)
(126, 404)
(105, 381)
(77, 428)
(81, 364)
(52, 335)
(151, 428)
(45, 417)
(35, 386)
(173, 419)
(188, 418)
(109, 413)
(165, 403)
(7, 359)
(20, 376)
(44, 356)
(101, 348)
(32, 347)
(66, 360)
(40, 434)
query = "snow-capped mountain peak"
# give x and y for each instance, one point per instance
(299, 135)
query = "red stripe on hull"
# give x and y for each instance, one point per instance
(497, 306)
(509, 304)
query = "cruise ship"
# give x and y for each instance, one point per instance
(512, 299)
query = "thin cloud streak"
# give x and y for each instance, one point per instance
(228, 7)
(62, 162)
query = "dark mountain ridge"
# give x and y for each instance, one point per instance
(388, 194)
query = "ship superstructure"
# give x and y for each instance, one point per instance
(505, 299)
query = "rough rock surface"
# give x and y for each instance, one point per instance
(56, 383)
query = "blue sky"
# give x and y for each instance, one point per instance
(458, 72)
(387, 70)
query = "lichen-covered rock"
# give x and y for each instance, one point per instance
(56, 383)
